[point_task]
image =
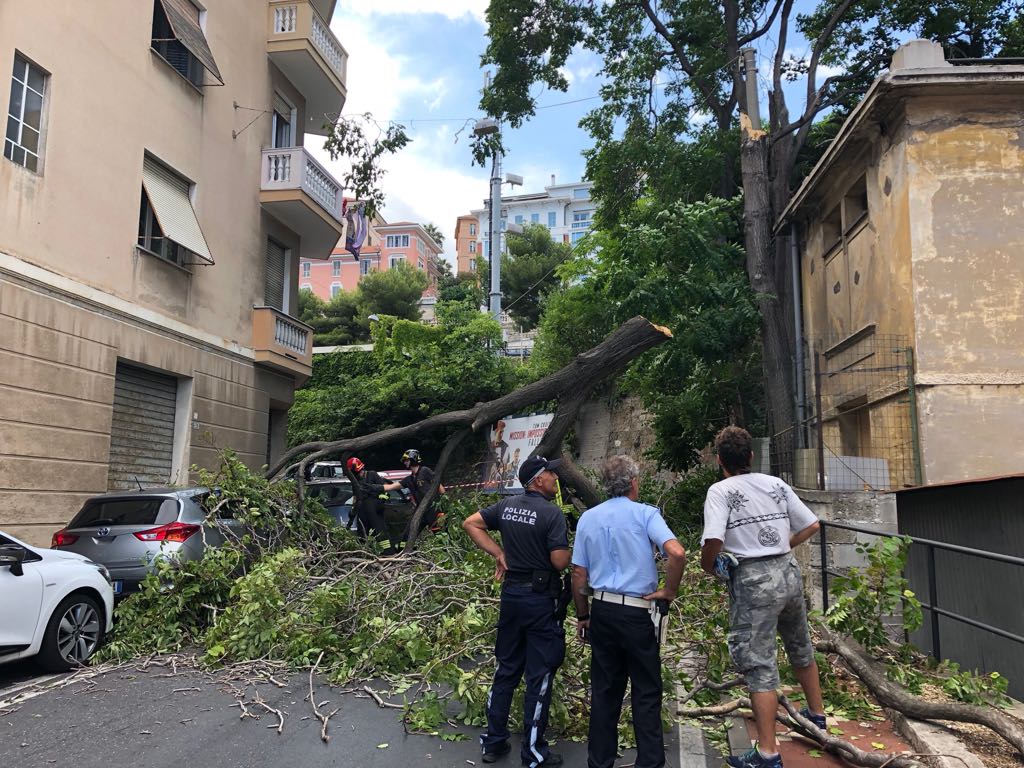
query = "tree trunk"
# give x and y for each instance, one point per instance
(893, 696)
(570, 384)
(759, 218)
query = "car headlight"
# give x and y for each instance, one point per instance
(102, 569)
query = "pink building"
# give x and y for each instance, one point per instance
(386, 246)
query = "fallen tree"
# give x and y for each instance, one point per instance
(569, 387)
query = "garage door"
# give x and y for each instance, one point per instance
(142, 432)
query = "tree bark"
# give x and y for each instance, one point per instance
(893, 696)
(428, 497)
(759, 217)
(607, 359)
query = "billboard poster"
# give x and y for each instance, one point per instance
(510, 443)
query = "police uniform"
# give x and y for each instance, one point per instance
(530, 638)
(614, 543)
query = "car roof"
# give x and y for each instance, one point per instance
(164, 492)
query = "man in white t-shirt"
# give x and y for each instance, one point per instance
(758, 519)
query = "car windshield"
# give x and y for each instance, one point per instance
(328, 471)
(152, 511)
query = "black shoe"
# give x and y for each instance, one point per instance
(818, 720)
(553, 759)
(492, 756)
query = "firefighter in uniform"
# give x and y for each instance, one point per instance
(530, 637)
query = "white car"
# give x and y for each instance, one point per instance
(57, 605)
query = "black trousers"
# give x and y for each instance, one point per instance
(623, 646)
(370, 522)
(530, 642)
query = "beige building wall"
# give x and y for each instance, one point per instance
(967, 209)
(77, 296)
(935, 263)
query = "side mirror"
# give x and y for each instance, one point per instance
(12, 557)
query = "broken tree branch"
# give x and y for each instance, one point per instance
(606, 360)
(893, 696)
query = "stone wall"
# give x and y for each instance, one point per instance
(611, 425)
(865, 509)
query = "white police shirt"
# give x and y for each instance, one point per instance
(754, 515)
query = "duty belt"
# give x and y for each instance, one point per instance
(616, 598)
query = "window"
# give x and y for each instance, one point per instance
(168, 226)
(23, 142)
(364, 266)
(581, 193)
(581, 220)
(281, 124)
(421, 246)
(306, 269)
(336, 268)
(535, 218)
(335, 289)
(487, 249)
(398, 241)
(472, 230)
(394, 261)
(420, 264)
(577, 236)
(519, 219)
(472, 246)
(552, 219)
(472, 265)
(275, 291)
(178, 39)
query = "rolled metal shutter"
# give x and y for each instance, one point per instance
(142, 431)
(273, 293)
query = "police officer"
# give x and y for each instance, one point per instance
(614, 557)
(530, 633)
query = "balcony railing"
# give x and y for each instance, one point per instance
(294, 168)
(282, 342)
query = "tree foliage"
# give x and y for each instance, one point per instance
(414, 371)
(528, 272)
(348, 140)
(677, 265)
(435, 233)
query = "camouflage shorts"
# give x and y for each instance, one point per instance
(767, 597)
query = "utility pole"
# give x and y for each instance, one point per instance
(494, 235)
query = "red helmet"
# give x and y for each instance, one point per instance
(355, 466)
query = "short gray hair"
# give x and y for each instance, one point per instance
(617, 475)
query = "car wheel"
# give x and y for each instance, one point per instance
(73, 634)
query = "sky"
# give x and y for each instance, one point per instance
(417, 62)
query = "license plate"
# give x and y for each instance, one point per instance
(118, 586)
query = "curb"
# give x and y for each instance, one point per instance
(943, 747)
(695, 751)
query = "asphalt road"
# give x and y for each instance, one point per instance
(130, 717)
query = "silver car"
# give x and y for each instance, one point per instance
(127, 530)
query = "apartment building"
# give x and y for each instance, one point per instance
(156, 201)
(387, 245)
(342, 271)
(567, 210)
(466, 243)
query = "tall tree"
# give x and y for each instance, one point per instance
(673, 66)
(396, 291)
(435, 233)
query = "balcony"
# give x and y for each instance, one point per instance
(282, 343)
(302, 46)
(297, 191)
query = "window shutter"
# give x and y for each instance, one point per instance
(273, 293)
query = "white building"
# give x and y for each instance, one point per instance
(565, 209)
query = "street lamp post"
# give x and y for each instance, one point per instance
(486, 127)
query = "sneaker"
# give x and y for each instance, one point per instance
(818, 720)
(754, 759)
(553, 759)
(493, 755)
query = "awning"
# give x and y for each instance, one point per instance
(168, 195)
(184, 20)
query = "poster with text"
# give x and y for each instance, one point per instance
(510, 443)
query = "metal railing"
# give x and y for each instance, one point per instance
(932, 606)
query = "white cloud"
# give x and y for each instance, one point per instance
(452, 9)
(427, 181)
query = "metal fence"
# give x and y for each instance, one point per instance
(923, 575)
(859, 431)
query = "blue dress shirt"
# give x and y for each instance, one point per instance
(615, 543)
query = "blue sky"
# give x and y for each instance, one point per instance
(413, 64)
(417, 62)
